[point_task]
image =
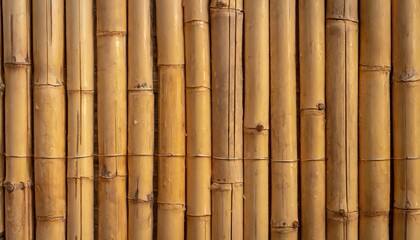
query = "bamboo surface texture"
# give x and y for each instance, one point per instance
(406, 117)
(227, 119)
(198, 118)
(2, 133)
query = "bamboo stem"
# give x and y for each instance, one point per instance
(140, 121)
(2, 132)
(406, 117)
(312, 117)
(198, 103)
(227, 119)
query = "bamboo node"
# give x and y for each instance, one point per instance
(374, 68)
(260, 127)
(51, 218)
(10, 187)
(2, 87)
(170, 206)
(374, 213)
(320, 106)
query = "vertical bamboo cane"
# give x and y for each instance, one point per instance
(49, 119)
(197, 51)
(341, 134)
(140, 121)
(2, 133)
(171, 166)
(312, 117)
(112, 118)
(17, 65)
(227, 119)
(284, 166)
(406, 117)
(374, 118)
(256, 119)
(80, 74)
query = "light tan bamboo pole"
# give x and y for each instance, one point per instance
(17, 65)
(2, 133)
(341, 133)
(198, 103)
(80, 87)
(227, 119)
(374, 118)
(171, 165)
(256, 119)
(49, 119)
(312, 117)
(406, 118)
(112, 118)
(284, 166)
(140, 121)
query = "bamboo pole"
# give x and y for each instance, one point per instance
(198, 106)
(284, 166)
(2, 133)
(312, 117)
(171, 165)
(406, 117)
(112, 118)
(341, 134)
(256, 119)
(80, 87)
(140, 121)
(49, 119)
(374, 118)
(227, 119)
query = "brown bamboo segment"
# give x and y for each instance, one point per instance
(342, 106)
(284, 165)
(2, 133)
(140, 121)
(312, 118)
(406, 116)
(198, 118)
(49, 119)
(80, 87)
(227, 119)
(374, 119)
(171, 162)
(112, 118)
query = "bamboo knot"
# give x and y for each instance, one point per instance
(10, 187)
(260, 127)
(2, 87)
(284, 227)
(320, 106)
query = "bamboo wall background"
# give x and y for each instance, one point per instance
(209, 119)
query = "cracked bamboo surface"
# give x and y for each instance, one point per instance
(284, 166)
(406, 117)
(227, 118)
(17, 66)
(341, 133)
(49, 119)
(80, 89)
(112, 118)
(312, 118)
(374, 118)
(198, 118)
(171, 149)
(140, 121)
(2, 134)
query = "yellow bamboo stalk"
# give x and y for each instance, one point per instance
(312, 117)
(171, 165)
(198, 109)
(17, 65)
(112, 118)
(2, 133)
(341, 134)
(140, 121)
(406, 118)
(284, 166)
(49, 119)
(80, 87)
(227, 119)
(374, 118)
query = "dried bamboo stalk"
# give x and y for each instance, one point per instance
(198, 109)
(312, 117)
(140, 121)
(374, 118)
(2, 132)
(406, 117)
(341, 134)
(284, 166)
(49, 119)
(112, 118)
(227, 119)
(80, 87)
(171, 165)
